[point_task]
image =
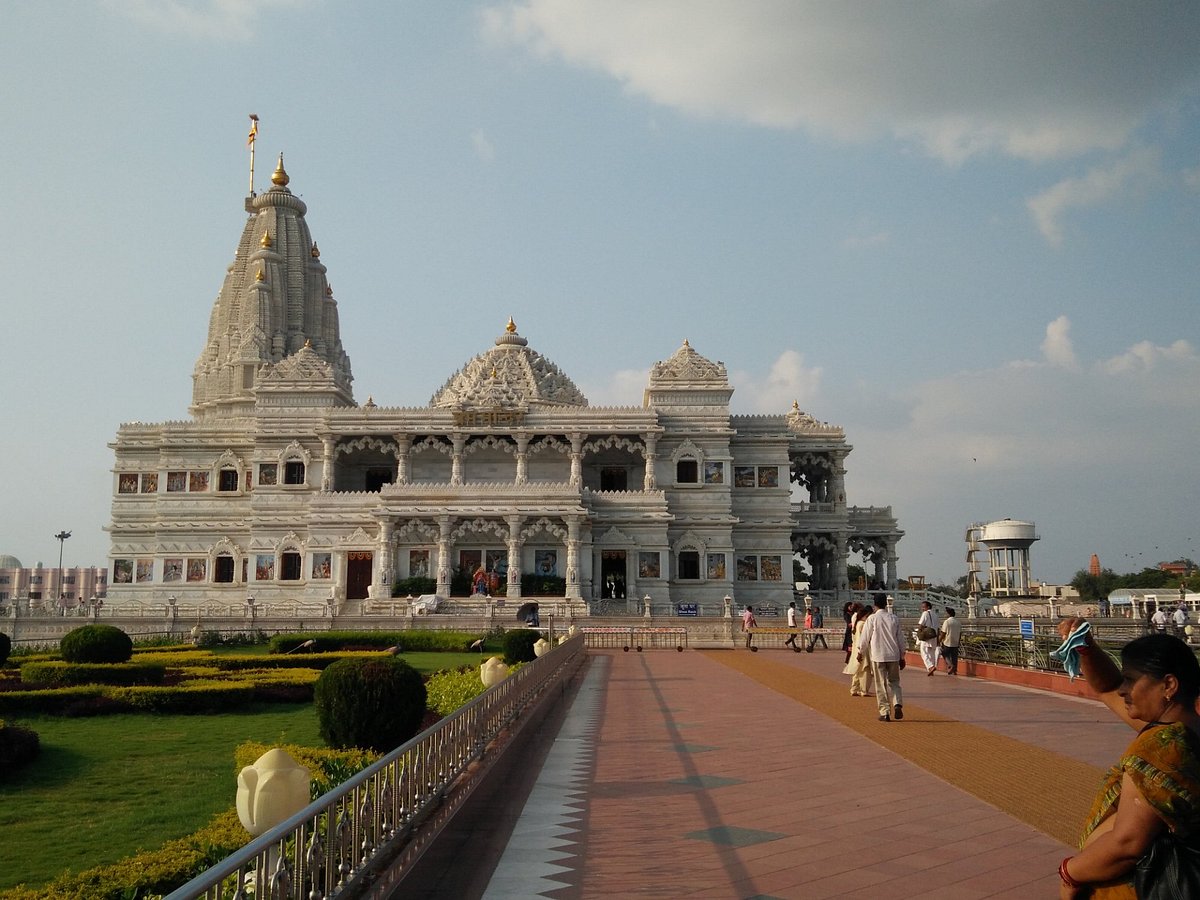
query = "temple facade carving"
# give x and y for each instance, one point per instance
(281, 486)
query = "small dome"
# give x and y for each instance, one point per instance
(9, 562)
(508, 376)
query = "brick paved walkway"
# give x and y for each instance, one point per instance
(718, 775)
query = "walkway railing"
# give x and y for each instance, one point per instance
(385, 816)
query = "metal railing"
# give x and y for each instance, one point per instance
(381, 819)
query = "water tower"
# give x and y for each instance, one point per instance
(1008, 542)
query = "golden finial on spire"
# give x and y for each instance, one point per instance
(315, 252)
(796, 405)
(493, 372)
(280, 175)
(308, 343)
(266, 239)
(329, 290)
(250, 143)
(260, 276)
(511, 327)
(685, 343)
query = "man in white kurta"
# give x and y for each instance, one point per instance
(882, 643)
(928, 645)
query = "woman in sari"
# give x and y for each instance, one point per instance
(1152, 794)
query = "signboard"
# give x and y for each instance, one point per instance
(1027, 629)
(687, 609)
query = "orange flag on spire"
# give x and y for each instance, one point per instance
(253, 130)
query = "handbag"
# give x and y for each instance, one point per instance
(925, 633)
(1169, 870)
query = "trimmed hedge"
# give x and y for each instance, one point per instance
(447, 691)
(376, 704)
(63, 674)
(518, 645)
(407, 641)
(19, 746)
(96, 644)
(5, 647)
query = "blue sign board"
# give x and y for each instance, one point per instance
(1027, 629)
(686, 609)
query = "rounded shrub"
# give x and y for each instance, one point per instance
(96, 644)
(18, 747)
(5, 647)
(518, 645)
(373, 704)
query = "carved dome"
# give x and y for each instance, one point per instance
(508, 376)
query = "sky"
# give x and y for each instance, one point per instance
(967, 232)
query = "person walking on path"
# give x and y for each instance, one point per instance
(748, 624)
(1159, 620)
(883, 644)
(791, 620)
(817, 623)
(1180, 618)
(848, 614)
(859, 666)
(951, 633)
(927, 637)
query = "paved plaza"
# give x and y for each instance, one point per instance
(729, 774)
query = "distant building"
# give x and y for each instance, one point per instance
(50, 588)
(1181, 568)
(281, 486)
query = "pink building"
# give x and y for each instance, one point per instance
(50, 587)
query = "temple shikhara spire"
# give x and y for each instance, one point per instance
(507, 483)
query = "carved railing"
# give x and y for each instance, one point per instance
(375, 826)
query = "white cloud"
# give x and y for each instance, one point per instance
(787, 381)
(1145, 357)
(1025, 78)
(482, 145)
(1057, 347)
(624, 388)
(235, 20)
(1100, 185)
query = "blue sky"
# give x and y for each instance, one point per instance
(967, 232)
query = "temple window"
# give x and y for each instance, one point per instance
(614, 478)
(714, 473)
(377, 478)
(150, 483)
(293, 472)
(223, 569)
(689, 565)
(127, 483)
(687, 471)
(268, 474)
(227, 480)
(289, 566)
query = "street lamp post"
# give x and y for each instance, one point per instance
(61, 537)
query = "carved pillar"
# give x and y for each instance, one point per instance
(839, 480)
(573, 555)
(878, 560)
(403, 454)
(443, 563)
(843, 553)
(522, 458)
(650, 482)
(456, 461)
(576, 459)
(328, 444)
(892, 579)
(514, 556)
(383, 572)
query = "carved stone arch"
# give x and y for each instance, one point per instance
(812, 542)
(615, 442)
(228, 460)
(415, 529)
(367, 442)
(689, 540)
(546, 526)
(614, 537)
(431, 442)
(291, 541)
(294, 451)
(688, 450)
(490, 442)
(357, 538)
(480, 525)
(225, 545)
(548, 442)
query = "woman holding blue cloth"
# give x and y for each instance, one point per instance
(1142, 836)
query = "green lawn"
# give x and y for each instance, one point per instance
(106, 787)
